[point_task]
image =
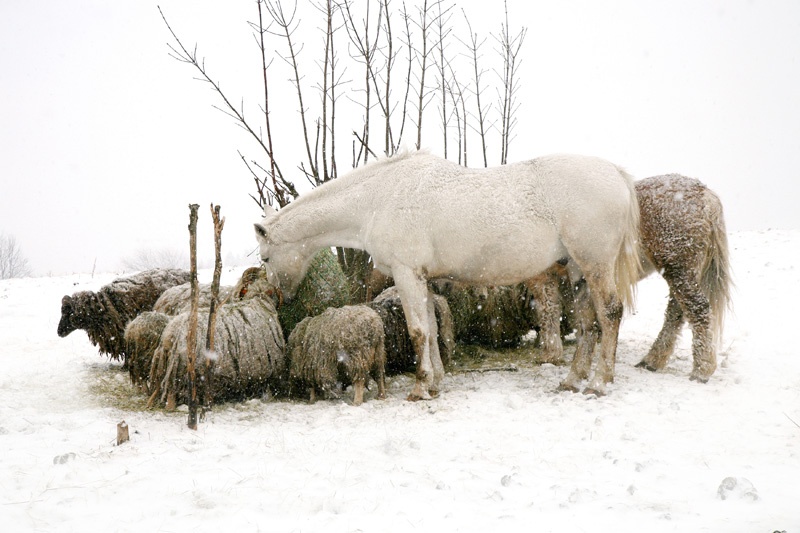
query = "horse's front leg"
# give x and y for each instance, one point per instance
(609, 310)
(433, 344)
(413, 291)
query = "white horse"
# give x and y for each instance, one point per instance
(422, 218)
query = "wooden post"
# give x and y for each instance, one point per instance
(122, 433)
(212, 312)
(191, 337)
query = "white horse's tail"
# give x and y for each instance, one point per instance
(628, 267)
(714, 276)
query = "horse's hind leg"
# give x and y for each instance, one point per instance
(587, 338)
(656, 359)
(695, 308)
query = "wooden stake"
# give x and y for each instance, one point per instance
(212, 312)
(122, 433)
(191, 337)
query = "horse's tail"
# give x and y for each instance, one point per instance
(628, 266)
(715, 276)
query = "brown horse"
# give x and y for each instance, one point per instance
(682, 236)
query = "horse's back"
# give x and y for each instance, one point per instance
(501, 224)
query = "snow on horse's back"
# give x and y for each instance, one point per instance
(421, 217)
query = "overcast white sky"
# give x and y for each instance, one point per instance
(106, 140)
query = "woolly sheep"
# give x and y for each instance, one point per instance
(344, 344)
(248, 357)
(142, 336)
(143, 333)
(105, 313)
(176, 300)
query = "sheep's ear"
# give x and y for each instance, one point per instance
(261, 233)
(66, 300)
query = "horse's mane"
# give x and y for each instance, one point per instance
(368, 170)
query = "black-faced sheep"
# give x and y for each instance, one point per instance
(400, 355)
(105, 313)
(344, 344)
(248, 358)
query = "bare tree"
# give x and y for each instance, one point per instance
(473, 47)
(282, 186)
(509, 48)
(456, 92)
(278, 193)
(442, 28)
(13, 263)
(424, 24)
(364, 51)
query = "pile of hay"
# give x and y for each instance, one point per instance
(400, 356)
(248, 359)
(340, 346)
(325, 285)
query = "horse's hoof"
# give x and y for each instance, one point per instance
(588, 391)
(433, 393)
(698, 379)
(414, 397)
(646, 366)
(564, 387)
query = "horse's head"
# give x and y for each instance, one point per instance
(285, 263)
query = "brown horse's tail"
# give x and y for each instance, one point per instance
(715, 277)
(628, 266)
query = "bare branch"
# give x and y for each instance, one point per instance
(287, 27)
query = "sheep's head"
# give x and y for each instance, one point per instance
(66, 324)
(254, 284)
(77, 311)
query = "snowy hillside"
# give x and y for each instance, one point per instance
(498, 451)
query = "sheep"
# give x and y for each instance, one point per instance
(142, 336)
(400, 355)
(248, 358)
(176, 300)
(143, 333)
(105, 313)
(344, 344)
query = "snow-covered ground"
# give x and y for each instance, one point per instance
(498, 451)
